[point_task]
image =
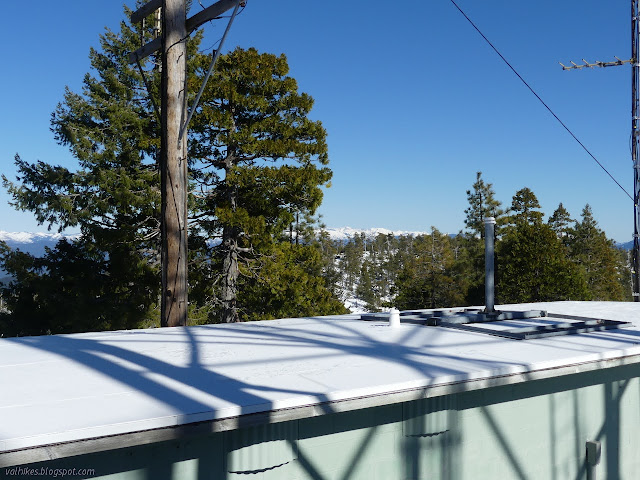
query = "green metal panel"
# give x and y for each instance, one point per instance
(260, 448)
(431, 416)
(532, 430)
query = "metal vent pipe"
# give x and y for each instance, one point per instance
(489, 268)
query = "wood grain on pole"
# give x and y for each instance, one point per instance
(173, 166)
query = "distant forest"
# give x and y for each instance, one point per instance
(537, 259)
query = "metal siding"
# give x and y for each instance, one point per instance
(429, 417)
(262, 447)
(533, 430)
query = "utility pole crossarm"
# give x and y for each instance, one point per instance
(193, 23)
(210, 13)
(146, 50)
(145, 10)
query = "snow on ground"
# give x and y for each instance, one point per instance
(30, 237)
(346, 233)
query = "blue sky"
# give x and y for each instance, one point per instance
(413, 100)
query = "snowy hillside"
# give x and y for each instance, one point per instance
(347, 233)
(32, 242)
(625, 246)
(35, 242)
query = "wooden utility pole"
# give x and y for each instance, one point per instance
(173, 164)
(173, 147)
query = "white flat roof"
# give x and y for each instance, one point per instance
(65, 388)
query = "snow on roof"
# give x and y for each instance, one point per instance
(72, 387)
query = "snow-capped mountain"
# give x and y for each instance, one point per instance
(33, 242)
(347, 233)
(625, 246)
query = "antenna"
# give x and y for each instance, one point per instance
(635, 133)
(597, 63)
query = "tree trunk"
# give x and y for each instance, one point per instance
(230, 276)
(230, 270)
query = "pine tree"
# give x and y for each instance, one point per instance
(330, 253)
(560, 221)
(257, 165)
(532, 266)
(431, 278)
(532, 262)
(288, 283)
(351, 262)
(74, 288)
(366, 289)
(385, 267)
(524, 208)
(482, 204)
(112, 197)
(589, 247)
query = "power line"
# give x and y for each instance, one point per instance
(540, 99)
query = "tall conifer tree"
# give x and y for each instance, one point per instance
(533, 264)
(257, 163)
(482, 204)
(431, 278)
(525, 208)
(260, 163)
(560, 222)
(112, 198)
(605, 274)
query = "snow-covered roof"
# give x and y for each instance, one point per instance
(65, 388)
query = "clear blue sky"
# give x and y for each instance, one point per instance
(413, 99)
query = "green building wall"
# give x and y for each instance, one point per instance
(530, 430)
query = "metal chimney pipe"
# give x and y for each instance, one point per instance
(489, 269)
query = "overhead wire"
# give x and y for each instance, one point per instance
(216, 54)
(148, 89)
(217, 42)
(540, 99)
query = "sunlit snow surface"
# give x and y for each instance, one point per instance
(32, 237)
(347, 233)
(70, 387)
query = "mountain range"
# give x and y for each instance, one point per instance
(36, 242)
(33, 242)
